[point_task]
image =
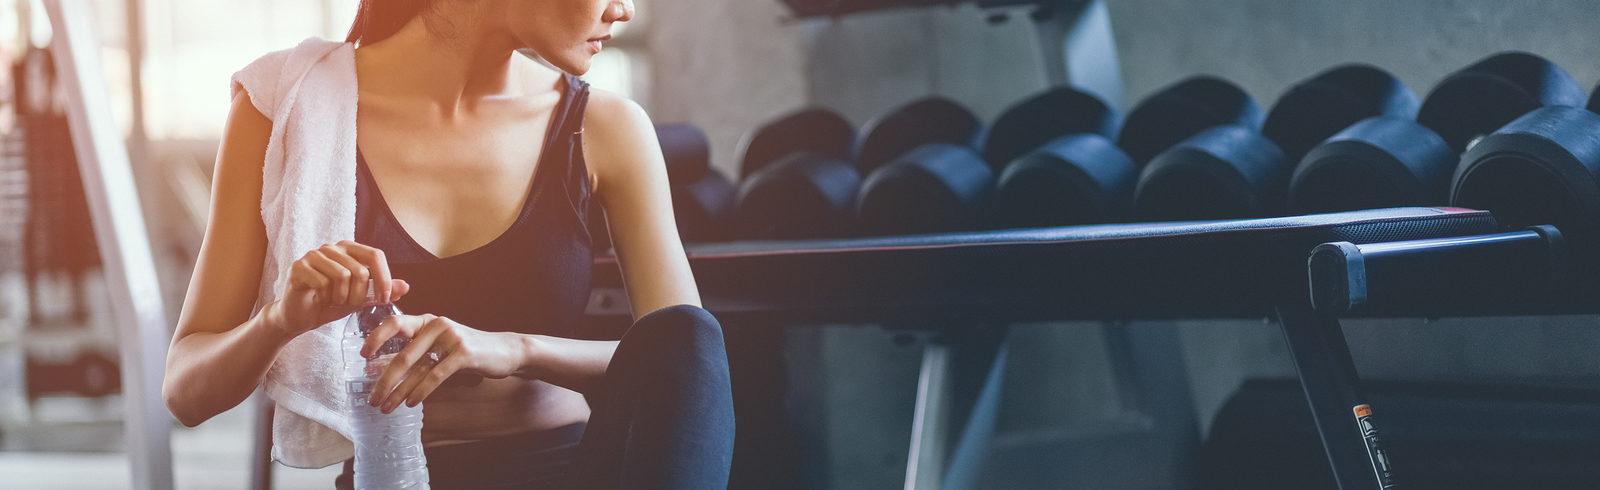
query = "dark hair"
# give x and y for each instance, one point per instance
(379, 19)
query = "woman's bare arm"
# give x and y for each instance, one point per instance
(220, 353)
(630, 177)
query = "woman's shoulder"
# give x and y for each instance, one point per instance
(263, 78)
(617, 138)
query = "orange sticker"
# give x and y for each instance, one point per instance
(1363, 410)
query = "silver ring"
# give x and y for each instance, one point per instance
(433, 357)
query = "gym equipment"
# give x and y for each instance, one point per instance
(798, 180)
(803, 195)
(1378, 162)
(702, 199)
(1184, 109)
(1542, 168)
(703, 208)
(1316, 108)
(1536, 170)
(966, 280)
(1442, 436)
(936, 187)
(1072, 180)
(814, 130)
(1227, 171)
(1031, 123)
(1391, 161)
(920, 122)
(1491, 92)
(1056, 163)
(1594, 100)
(687, 152)
(124, 244)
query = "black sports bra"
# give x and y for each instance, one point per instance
(535, 276)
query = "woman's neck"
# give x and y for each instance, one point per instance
(450, 68)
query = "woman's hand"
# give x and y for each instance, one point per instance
(330, 282)
(413, 374)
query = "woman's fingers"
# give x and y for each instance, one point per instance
(356, 286)
(303, 276)
(399, 367)
(336, 291)
(406, 325)
(377, 264)
(398, 288)
(447, 367)
(421, 369)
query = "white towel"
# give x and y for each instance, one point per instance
(307, 199)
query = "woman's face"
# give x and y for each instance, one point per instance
(567, 33)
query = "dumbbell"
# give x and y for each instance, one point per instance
(1184, 109)
(702, 199)
(1328, 102)
(920, 122)
(1543, 169)
(934, 188)
(1490, 93)
(1056, 163)
(940, 184)
(801, 181)
(1228, 171)
(1209, 159)
(1390, 160)
(812, 130)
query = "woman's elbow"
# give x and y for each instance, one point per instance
(185, 409)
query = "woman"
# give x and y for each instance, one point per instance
(453, 123)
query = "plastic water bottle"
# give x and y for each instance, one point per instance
(388, 445)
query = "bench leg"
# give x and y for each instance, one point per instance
(1344, 420)
(958, 398)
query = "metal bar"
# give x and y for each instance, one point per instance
(261, 443)
(1152, 379)
(977, 376)
(1500, 272)
(123, 242)
(1344, 419)
(1079, 50)
(925, 460)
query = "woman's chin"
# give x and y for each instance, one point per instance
(577, 64)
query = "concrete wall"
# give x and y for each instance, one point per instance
(725, 66)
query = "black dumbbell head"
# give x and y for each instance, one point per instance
(704, 208)
(813, 130)
(1490, 93)
(1542, 168)
(1031, 123)
(800, 196)
(1316, 108)
(1072, 180)
(934, 188)
(928, 120)
(1379, 162)
(686, 150)
(1182, 110)
(1225, 172)
(1594, 100)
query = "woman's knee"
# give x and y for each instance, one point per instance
(685, 326)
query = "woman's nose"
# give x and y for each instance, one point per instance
(620, 11)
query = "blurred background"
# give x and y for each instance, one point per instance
(725, 66)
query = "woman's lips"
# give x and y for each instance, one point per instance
(595, 46)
